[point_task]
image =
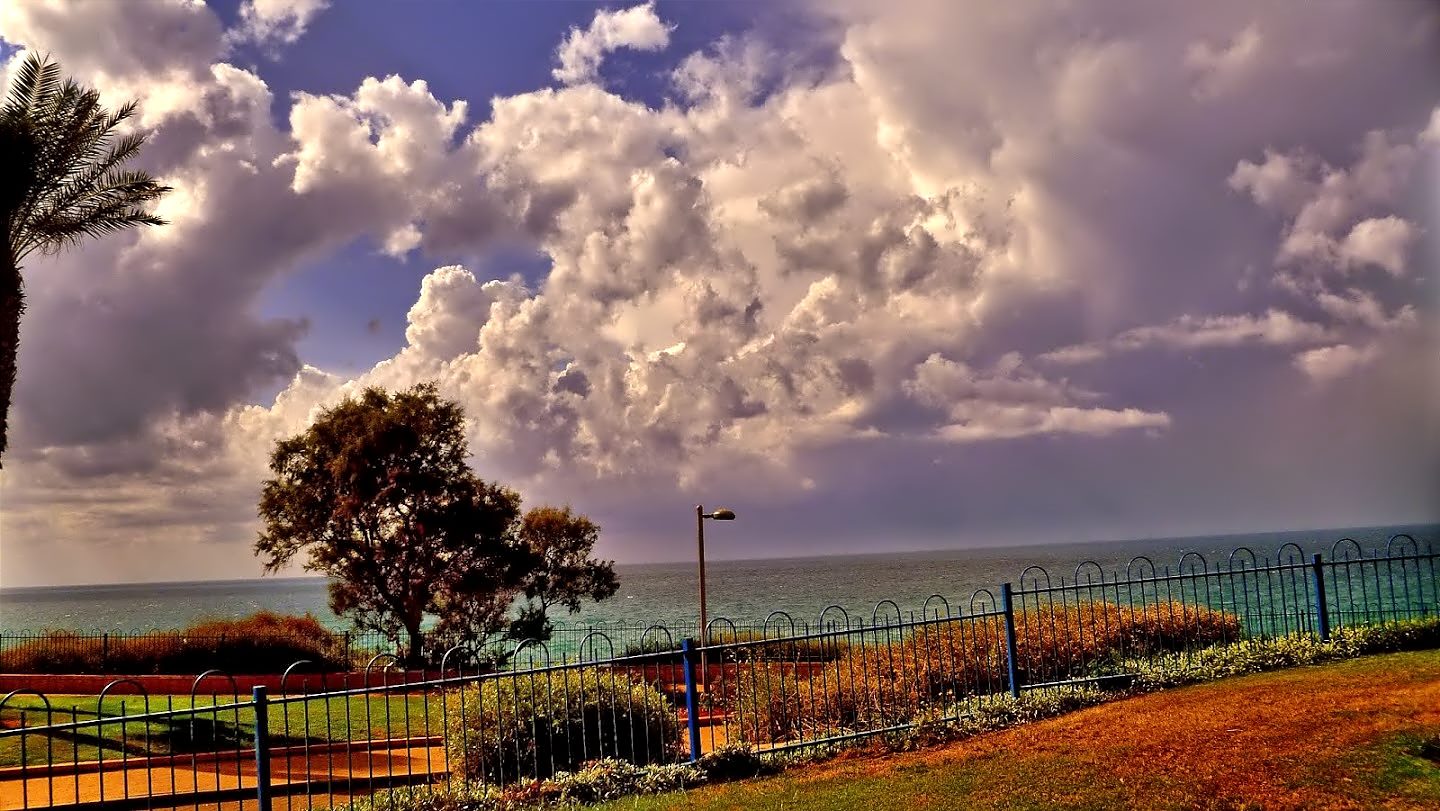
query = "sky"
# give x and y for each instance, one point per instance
(878, 276)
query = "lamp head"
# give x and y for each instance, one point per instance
(722, 514)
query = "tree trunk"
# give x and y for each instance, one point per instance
(416, 657)
(12, 305)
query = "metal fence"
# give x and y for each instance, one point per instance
(316, 739)
(179, 651)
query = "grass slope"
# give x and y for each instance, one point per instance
(1359, 734)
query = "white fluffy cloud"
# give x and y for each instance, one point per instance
(1330, 363)
(275, 22)
(638, 28)
(1332, 212)
(750, 291)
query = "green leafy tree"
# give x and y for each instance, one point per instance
(62, 179)
(378, 492)
(559, 570)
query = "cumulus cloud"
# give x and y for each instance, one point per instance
(1336, 216)
(275, 22)
(1380, 241)
(637, 28)
(1329, 363)
(761, 293)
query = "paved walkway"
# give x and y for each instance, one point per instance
(223, 782)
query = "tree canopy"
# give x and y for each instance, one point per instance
(62, 180)
(378, 493)
(559, 570)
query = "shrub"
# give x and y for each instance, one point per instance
(779, 649)
(818, 649)
(731, 762)
(1259, 655)
(880, 685)
(538, 724)
(261, 643)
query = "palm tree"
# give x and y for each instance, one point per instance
(62, 179)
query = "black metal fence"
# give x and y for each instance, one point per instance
(177, 651)
(317, 739)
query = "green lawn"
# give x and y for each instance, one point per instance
(333, 720)
(1356, 734)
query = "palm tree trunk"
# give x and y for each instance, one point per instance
(12, 305)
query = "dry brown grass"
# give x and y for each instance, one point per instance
(879, 684)
(1308, 738)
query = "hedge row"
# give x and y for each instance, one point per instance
(261, 643)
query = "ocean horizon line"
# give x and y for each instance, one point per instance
(289, 579)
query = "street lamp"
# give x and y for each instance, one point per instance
(721, 514)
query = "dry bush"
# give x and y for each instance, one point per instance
(818, 649)
(880, 684)
(261, 643)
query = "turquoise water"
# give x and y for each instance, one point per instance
(744, 591)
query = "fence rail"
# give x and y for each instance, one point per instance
(661, 695)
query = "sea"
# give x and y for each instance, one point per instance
(744, 591)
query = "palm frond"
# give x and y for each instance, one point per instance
(62, 178)
(87, 180)
(115, 202)
(36, 79)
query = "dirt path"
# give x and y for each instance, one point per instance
(1343, 736)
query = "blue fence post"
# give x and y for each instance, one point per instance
(262, 746)
(1008, 603)
(1322, 613)
(692, 697)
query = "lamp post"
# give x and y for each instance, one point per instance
(721, 514)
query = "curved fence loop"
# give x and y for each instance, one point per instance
(875, 614)
(580, 649)
(464, 650)
(778, 613)
(285, 677)
(709, 638)
(1090, 578)
(100, 699)
(820, 623)
(1252, 563)
(1295, 555)
(925, 609)
(1134, 572)
(531, 644)
(234, 688)
(1034, 580)
(49, 710)
(390, 665)
(31, 691)
(987, 605)
(1190, 559)
(645, 635)
(1402, 539)
(1340, 552)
